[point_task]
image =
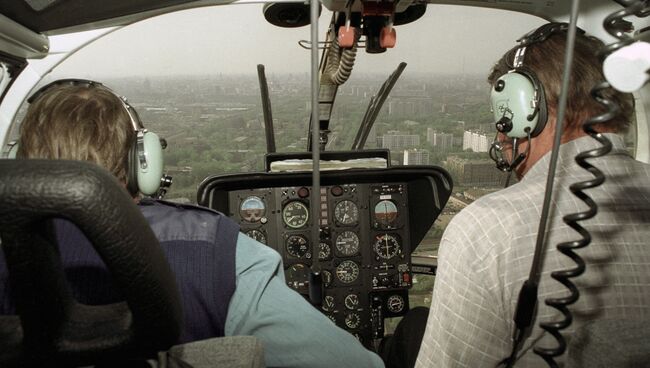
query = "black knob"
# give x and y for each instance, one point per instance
(501, 84)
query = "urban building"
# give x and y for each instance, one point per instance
(416, 157)
(395, 141)
(475, 141)
(441, 142)
(408, 107)
(480, 173)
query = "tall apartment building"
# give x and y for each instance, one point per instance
(395, 141)
(475, 141)
(441, 142)
(416, 157)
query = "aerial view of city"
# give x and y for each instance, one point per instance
(214, 125)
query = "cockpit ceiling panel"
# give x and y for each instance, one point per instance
(39, 5)
(47, 15)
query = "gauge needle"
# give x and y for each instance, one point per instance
(387, 249)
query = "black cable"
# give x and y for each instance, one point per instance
(527, 299)
(567, 248)
(566, 74)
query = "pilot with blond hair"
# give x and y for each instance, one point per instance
(230, 284)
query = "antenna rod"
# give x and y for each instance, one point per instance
(315, 274)
(266, 109)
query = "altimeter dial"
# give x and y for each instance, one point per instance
(347, 271)
(347, 243)
(295, 214)
(346, 213)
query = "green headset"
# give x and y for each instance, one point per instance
(517, 99)
(145, 160)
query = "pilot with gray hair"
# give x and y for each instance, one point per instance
(487, 250)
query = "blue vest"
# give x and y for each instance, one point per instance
(200, 247)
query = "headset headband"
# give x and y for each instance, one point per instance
(133, 115)
(538, 35)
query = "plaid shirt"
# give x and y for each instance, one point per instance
(486, 252)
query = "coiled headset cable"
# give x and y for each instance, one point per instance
(572, 220)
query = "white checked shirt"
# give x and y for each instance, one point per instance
(486, 253)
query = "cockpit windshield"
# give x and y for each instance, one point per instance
(192, 76)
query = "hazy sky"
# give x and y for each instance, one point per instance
(235, 38)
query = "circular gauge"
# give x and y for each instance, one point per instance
(395, 303)
(327, 278)
(296, 245)
(351, 301)
(332, 317)
(352, 320)
(252, 209)
(347, 271)
(257, 235)
(324, 251)
(347, 243)
(385, 212)
(298, 276)
(328, 303)
(295, 214)
(346, 213)
(386, 246)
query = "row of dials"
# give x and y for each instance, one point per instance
(295, 214)
(385, 245)
(394, 304)
(346, 272)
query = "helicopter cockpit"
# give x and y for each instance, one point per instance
(348, 156)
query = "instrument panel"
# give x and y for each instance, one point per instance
(364, 244)
(358, 269)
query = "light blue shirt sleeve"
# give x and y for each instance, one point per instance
(293, 332)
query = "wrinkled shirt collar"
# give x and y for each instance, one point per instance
(568, 151)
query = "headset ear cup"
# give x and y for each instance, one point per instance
(131, 174)
(149, 175)
(515, 98)
(543, 110)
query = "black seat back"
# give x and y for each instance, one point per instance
(51, 327)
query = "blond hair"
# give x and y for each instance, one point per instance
(86, 122)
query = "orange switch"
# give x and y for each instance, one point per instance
(406, 278)
(346, 36)
(387, 37)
